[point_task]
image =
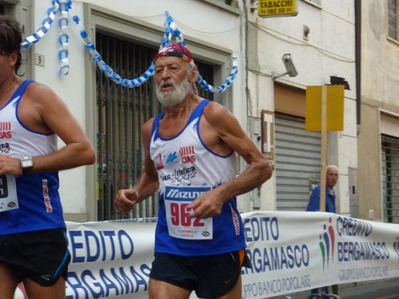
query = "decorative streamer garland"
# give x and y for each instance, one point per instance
(225, 85)
(105, 68)
(63, 39)
(170, 30)
(65, 7)
(46, 25)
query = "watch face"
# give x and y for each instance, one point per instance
(26, 162)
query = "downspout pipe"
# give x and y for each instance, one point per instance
(245, 9)
(358, 57)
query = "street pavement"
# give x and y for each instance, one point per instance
(378, 289)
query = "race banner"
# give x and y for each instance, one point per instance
(297, 251)
(110, 259)
(290, 252)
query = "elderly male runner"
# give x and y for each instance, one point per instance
(190, 157)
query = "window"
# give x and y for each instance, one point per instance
(393, 19)
(230, 5)
(390, 178)
(21, 11)
(7, 8)
(228, 2)
(121, 113)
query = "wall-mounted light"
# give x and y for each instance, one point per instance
(336, 80)
(289, 66)
(253, 9)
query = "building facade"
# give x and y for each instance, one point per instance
(320, 40)
(324, 39)
(95, 53)
(379, 130)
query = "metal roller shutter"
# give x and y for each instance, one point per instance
(297, 162)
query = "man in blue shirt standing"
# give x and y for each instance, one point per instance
(314, 206)
(331, 181)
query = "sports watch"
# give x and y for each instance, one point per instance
(26, 164)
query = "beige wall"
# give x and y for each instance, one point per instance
(369, 168)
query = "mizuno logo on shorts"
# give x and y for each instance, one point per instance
(45, 277)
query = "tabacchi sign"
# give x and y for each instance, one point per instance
(282, 8)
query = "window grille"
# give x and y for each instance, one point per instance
(390, 178)
(393, 19)
(121, 113)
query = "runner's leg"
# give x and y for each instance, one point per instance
(235, 293)
(8, 283)
(36, 291)
(335, 289)
(159, 289)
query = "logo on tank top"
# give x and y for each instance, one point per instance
(4, 148)
(236, 221)
(178, 175)
(46, 197)
(158, 162)
(5, 130)
(189, 193)
(187, 154)
(172, 158)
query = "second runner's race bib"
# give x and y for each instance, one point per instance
(8, 193)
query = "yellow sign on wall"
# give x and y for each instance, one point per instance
(279, 8)
(334, 106)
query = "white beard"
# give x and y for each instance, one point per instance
(173, 97)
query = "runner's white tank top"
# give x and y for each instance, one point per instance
(186, 168)
(27, 202)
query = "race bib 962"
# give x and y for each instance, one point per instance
(180, 225)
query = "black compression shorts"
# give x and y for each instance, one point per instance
(209, 276)
(41, 256)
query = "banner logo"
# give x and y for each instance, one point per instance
(396, 246)
(327, 243)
